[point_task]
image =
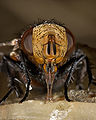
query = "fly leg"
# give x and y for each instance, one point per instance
(80, 74)
(78, 59)
(89, 72)
(74, 65)
(27, 77)
(6, 96)
(22, 68)
(12, 80)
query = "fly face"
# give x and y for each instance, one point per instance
(47, 45)
(49, 42)
(51, 49)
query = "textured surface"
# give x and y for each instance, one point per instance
(37, 110)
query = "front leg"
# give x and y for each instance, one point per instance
(10, 63)
(77, 60)
(12, 79)
(27, 77)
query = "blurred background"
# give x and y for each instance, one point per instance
(78, 15)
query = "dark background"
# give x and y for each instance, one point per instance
(78, 15)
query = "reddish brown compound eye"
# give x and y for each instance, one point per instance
(26, 42)
(71, 41)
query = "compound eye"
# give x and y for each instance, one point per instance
(27, 41)
(70, 39)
